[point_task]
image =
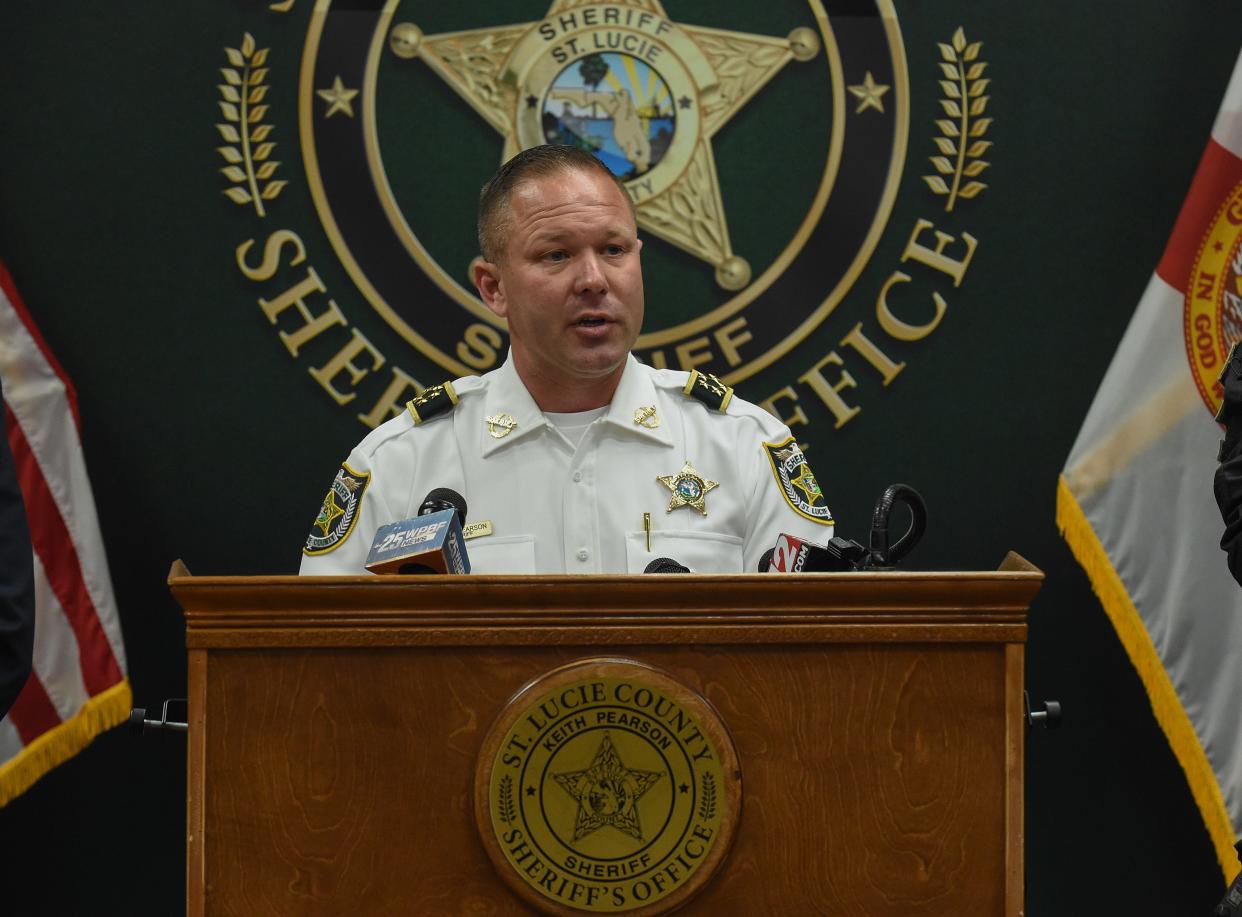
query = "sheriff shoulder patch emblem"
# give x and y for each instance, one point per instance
(339, 511)
(797, 483)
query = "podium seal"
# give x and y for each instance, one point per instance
(607, 786)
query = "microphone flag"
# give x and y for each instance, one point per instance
(433, 541)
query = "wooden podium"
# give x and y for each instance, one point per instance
(335, 725)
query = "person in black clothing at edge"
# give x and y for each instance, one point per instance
(1228, 482)
(1228, 488)
(17, 611)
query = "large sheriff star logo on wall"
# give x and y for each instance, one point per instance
(405, 109)
(643, 94)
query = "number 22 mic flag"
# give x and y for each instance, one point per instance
(78, 687)
(1135, 499)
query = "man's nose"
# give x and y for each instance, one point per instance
(590, 277)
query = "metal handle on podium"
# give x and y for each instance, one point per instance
(1048, 718)
(139, 723)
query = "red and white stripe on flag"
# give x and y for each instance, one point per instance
(78, 687)
(1135, 498)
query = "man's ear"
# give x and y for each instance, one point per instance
(486, 277)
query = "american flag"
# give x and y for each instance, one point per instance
(78, 687)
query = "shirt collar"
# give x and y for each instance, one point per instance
(506, 394)
(636, 398)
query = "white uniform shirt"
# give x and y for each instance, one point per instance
(554, 508)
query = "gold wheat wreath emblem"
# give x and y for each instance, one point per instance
(961, 142)
(607, 785)
(247, 151)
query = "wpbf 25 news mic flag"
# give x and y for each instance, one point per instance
(1135, 498)
(78, 687)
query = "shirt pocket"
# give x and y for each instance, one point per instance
(702, 552)
(506, 554)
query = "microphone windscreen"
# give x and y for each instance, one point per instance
(444, 498)
(665, 565)
(413, 569)
(765, 560)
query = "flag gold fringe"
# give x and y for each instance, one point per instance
(101, 712)
(1165, 703)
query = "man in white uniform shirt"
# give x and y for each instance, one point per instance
(574, 457)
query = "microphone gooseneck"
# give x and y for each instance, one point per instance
(881, 553)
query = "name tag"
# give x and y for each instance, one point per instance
(477, 529)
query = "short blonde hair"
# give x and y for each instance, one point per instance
(536, 162)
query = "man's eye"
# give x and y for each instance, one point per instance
(555, 256)
(615, 250)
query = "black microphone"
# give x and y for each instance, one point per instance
(798, 555)
(665, 565)
(431, 542)
(442, 498)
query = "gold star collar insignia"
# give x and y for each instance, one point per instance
(688, 488)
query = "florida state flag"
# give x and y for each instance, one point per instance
(1135, 498)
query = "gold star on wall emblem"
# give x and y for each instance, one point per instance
(338, 98)
(688, 487)
(688, 82)
(868, 93)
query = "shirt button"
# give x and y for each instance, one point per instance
(583, 554)
(577, 476)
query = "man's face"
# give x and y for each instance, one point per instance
(570, 284)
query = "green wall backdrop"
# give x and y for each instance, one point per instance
(207, 441)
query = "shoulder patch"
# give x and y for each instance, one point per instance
(433, 401)
(339, 512)
(796, 482)
(709, 390)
